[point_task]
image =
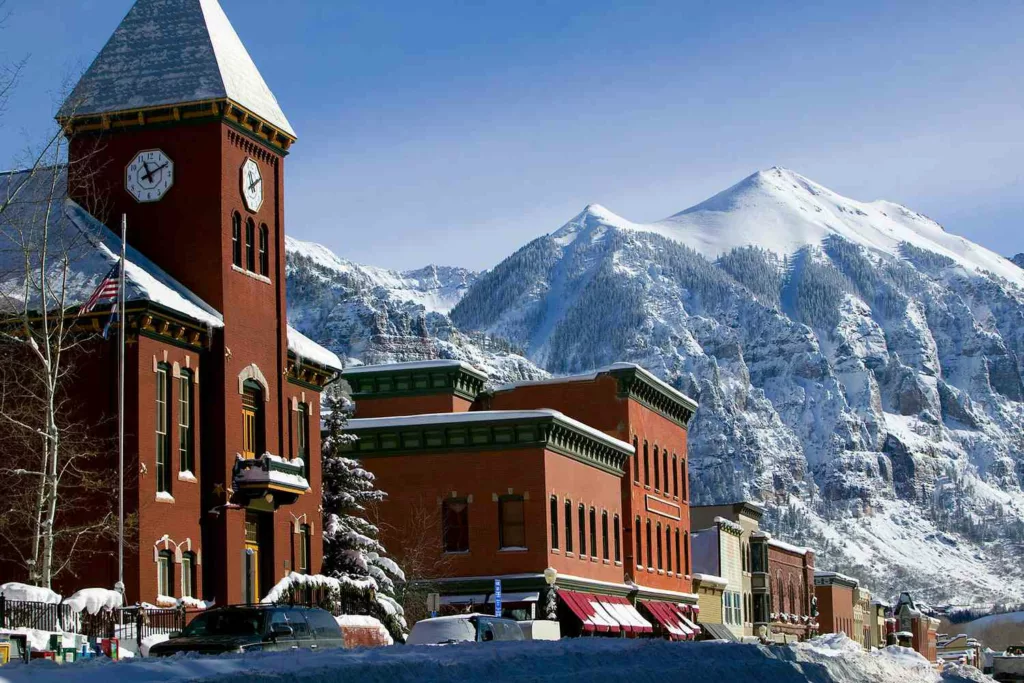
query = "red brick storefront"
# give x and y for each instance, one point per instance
(782, 582)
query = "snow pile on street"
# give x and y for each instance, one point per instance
(591, 660)
(94, 600)
(26, 593)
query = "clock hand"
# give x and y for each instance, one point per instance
(148, 175)
(252, 185)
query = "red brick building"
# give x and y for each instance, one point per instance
(836, 595)
(782, 583)
(586, 474)
(175, 128)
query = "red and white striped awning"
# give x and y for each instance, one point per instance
(605, 613)
(675, 624)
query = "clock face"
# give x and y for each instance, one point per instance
(149, 176)
(252, 185)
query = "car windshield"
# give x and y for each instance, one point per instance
(235, 622)
(442, 630)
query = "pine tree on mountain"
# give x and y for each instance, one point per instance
(352, 551)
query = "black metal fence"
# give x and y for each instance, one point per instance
(127, 624)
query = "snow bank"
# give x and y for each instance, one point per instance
(38, 640)
(150, 641)
(588, 660)
(27, 593)
(93, 600)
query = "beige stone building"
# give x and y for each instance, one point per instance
(748, 516)
(717, 552)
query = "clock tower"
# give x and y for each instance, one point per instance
(173, 126)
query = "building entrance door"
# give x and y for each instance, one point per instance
(251, 559)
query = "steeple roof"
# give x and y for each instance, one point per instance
(171, 52)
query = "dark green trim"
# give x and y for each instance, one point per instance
(636, 385)
(543, 431)
(305, 385)
(454, 380)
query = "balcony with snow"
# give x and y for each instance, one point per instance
(271, 477)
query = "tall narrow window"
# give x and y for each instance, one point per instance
(512, 522)
(675, 477)
(647, 466)
(264, 250)
(661, 564)
(664, 465)
(650, 547)
(685, 482)
(163, 432)
(188, 575)
(639, 545)
(593, 532)
(581, 518)
(604, 534)
(236, 239)
(250, 245)
(165, 573)
(304, 554)
(657, 470)
(568, 525)
(680, 569)
(252, 419)
(303, 437)
(618, 538)
(186, 447)
(554, 522)
(668, 550)
(636, 460)
(686, 552)
(455, 525)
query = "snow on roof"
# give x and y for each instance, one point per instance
(835, 575)
(708, 578)
(305, 348)
(729, 524)
(169, 52)
(484, 416)
(789, 547)
(412, 365)
(91, 247)
(591, 376)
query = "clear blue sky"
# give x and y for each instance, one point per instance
(454, 131)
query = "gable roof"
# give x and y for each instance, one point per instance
(171, 52)
(91, 247)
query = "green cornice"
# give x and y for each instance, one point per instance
(416, 381)
(635, 384)
(540, 431)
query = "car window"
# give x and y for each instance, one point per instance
(298, 623)
(323, 624)
(443, 630)
(485, 630)
(233, 622)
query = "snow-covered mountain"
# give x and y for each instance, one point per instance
(373, 315)
(858, 368)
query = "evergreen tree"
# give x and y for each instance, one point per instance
(353, 553)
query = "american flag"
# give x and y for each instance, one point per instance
(107, 289)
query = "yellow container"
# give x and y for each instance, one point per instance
(5, 653)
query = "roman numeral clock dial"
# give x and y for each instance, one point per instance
(149, 176)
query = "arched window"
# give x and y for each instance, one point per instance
(650, 547)
(675, 477)
(250, 245)
(639, 545)
(165, 573)
(236, 239)
(664, 465)
(604, 535)
(780, 601)
(661, 565)
(685, 482)
(686, 552)
(593, 532)
(636, 460)
(554, 522)
(657, 471)
(188, 575)
(163, 429)
(264, 250)
(793, 609)
(186, 447)
(668, 549)
(743, 556)
(568, 525)
(303, 558)
(581, 518)
(647, 466)
(252, 419)
(680, 569)
(303, 437)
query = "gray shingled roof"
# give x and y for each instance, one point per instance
(168, 52)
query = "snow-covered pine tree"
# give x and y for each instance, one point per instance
(352, 551)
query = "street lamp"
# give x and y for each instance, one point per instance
(551, 604)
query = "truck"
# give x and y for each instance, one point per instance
(1009, 666)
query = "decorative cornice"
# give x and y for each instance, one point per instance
(636, 385)
(419, 381)
(308, 375)
(540, 431)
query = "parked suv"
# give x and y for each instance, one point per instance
(463, 628)
(253, 628)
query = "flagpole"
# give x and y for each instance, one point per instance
(120, 411)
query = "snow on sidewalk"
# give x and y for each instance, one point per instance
(585, 660)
